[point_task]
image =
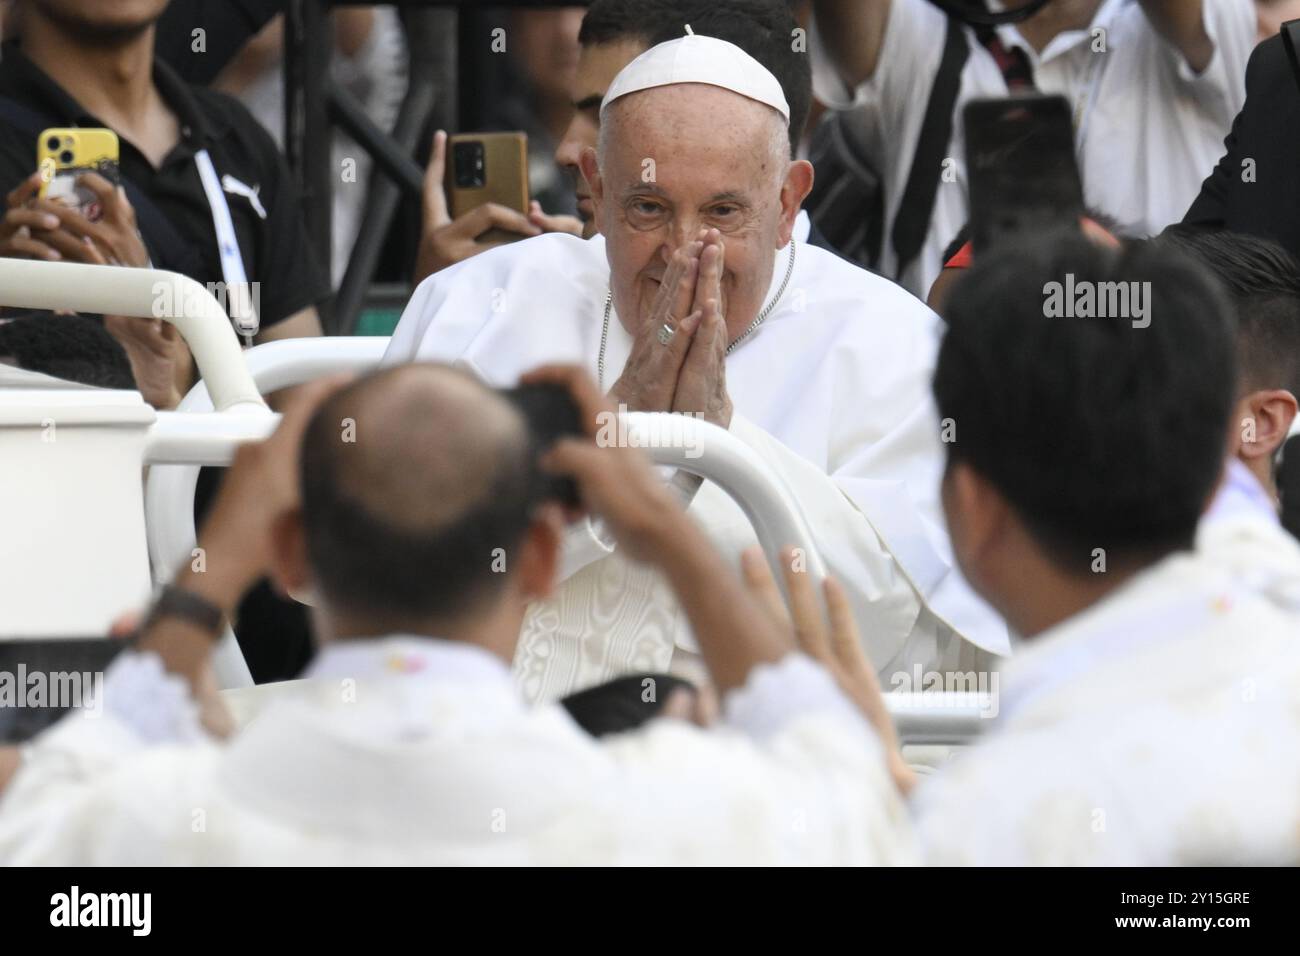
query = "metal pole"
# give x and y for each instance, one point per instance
(307, 49)
(431, 37)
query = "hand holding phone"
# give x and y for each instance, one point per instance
(444, 240)
(64, 154)
(36, 228)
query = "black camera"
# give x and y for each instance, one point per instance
(551, 414)
(469, 163)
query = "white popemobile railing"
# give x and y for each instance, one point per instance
(708, 451)
(73, 556)
(226, 409)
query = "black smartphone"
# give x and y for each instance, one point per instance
(1021, 166)
(551, 415)
(71, 671)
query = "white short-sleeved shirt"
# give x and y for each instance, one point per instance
(1148, 129)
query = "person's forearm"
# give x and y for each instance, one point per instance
(853, 33)
(733, 632)
(1182, 23)
(185, 648)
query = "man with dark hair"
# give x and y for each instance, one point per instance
(1042, 404)
(204, 190)
(1263, 281)
(1151, 718)
(416, 515)
(1085, 452)
(613, 34)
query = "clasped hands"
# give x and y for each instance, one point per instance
(688, 373)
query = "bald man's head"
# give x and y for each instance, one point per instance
(412, 478)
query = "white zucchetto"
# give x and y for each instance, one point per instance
(699, 59)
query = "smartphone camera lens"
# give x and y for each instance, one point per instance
(52, 144)
(65, 157)
(468, 160)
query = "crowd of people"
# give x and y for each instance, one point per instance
(1087, 507)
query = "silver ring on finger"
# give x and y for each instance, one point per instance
(666, 333)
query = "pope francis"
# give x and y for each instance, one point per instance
(699, 297)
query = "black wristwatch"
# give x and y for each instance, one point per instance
(189, 607)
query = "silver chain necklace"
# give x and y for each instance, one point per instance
(753, 326)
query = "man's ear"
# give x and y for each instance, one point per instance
(591, 173)
(794, 190)
(538, 562)
(290, 571)
(1263, 421)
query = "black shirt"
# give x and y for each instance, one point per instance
(274, 248)
(226, 24)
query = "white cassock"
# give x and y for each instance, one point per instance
(832, 390)
(418, 751)
(1160, 727)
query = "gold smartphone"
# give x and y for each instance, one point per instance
(63, 154)
(488, 167)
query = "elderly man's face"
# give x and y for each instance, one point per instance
(678, 159)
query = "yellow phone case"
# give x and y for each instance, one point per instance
(505, 178)
(63, 154)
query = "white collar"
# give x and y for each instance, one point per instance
(1166, 601)
(405, 655)
(1064, 41)
(1240, 494)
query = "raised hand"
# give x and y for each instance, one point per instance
(831, 639)
(445, 241)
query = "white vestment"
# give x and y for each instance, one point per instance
(1159, 727)
(417, 751)
(832, 390)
